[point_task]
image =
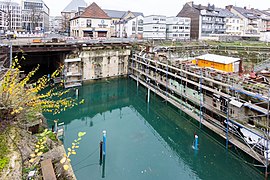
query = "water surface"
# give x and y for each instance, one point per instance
(144, 142)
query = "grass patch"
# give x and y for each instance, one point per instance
(4, 160)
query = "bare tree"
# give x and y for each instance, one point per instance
(65, 22)
(35, 16)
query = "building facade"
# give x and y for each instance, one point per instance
(208, 21)
(154, 27)
(92, 23)
(178, 28)
(70, 11)
(125, 23)
(55, 23)
(234, 26)
(253, 23)
(35, 16)
(130, 28)
(10, 16)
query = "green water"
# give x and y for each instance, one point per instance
(143, 142)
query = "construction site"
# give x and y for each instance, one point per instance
(218, 91)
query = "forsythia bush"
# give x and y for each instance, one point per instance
(20, 101)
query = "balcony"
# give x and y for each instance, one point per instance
(208, 21)
(220, 22)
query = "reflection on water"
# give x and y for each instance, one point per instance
(143, 142)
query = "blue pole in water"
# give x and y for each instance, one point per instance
(196, 142)
(104, 153)
(104, 142)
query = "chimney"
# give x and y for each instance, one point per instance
(229, 7)
(199, 6)
(245, 7)
(252, 9)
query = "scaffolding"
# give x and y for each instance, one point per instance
(210, 97)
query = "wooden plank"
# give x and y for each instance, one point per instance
(47, 170)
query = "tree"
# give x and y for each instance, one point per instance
(65, 22)
(35, 16)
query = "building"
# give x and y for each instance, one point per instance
(178, 28)
(55, 24)
(10, 16)
(69, 12)
(35, 16)
(130, 27)
(206, 21)
(222, 63)
(154, 27)
(93, 23)
(115, 16)
(253, 24)
(125, 23)
(234, 25)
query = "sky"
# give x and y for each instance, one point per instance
(157, 7)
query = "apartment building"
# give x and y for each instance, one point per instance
(252, 20)
(131, 27)
(178, 28)
(70, 11)
(93, 23)
(154, 27)
(125, 23)
(234, 25)
(10, 16)
(35, 16)
(55, 23)
(206, 21)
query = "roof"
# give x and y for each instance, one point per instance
(121, 14)
(247, 13)
(94, 11)
(218, 58)
(115, 13)
(73, 5)
(211, 10)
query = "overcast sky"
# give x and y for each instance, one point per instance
(159, 7)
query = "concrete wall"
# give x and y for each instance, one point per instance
(103, 63)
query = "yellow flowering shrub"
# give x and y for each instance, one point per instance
(20, 101)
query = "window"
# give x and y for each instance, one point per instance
(175, 27)
(186, 27)
(88, 23)
(175, 35)
(133, 29)
(140, 28)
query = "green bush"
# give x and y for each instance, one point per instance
(4, 160)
